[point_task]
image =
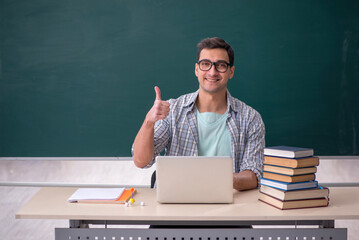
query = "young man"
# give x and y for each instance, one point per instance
(208, 122)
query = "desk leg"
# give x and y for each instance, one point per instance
(78, 224)
(328, 224)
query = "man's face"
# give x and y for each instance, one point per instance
(212, 81)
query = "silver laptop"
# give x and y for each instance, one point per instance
(183, 179)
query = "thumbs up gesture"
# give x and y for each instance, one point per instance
(159, 110)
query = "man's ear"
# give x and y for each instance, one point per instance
(231, 73)
(196, 69)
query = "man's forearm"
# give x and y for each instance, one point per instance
(245, 180)
(143, 146)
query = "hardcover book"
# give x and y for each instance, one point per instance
(293, 204)
(288, 178)
(289, 171)
(292, 162)
(288, 186)
(318, 192)
(289, 152)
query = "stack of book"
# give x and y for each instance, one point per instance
(289, 179)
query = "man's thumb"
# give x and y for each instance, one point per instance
(158, 93)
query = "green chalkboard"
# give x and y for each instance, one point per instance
(77, 76)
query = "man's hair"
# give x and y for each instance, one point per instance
(215, 42)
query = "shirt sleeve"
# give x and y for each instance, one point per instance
(161, 138)
(253, 156)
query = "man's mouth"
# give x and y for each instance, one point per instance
(212, 80)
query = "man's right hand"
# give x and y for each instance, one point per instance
(159, 110)
(143, 147)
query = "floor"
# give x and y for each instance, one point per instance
(107, 172)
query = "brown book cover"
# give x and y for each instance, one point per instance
(293, 204)
(318, 192)
(292, 162)
(289, 171)
(289, 179)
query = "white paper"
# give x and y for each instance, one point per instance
(96, 194)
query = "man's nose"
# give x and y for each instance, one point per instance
(213, 70)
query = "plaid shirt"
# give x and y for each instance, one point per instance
(178, 134)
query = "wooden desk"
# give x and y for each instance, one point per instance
(51, 203)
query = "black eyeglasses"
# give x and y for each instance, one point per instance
(220, 66)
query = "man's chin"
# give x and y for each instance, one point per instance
(213, 90)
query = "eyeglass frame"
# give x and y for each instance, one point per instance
(214, 63)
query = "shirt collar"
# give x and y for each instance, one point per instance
(231, 103)
(190, 101)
